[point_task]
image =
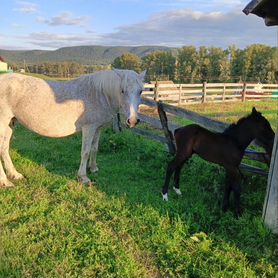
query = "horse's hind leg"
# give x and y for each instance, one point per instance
(10, 169)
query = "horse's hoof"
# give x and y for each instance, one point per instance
(165, 197)
(84, 180)
(6, 184)
(238, 213)
(177, 190)
(94, 169)
(16, 176)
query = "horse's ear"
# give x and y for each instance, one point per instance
(120, 73)
(142, 75)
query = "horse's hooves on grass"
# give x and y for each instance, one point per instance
(84, 180)
(94, 170)
(165, 197)
(16, 176)
(6, 184)
(177, 190)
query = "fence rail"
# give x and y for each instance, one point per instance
(168, 128)
(182, 94)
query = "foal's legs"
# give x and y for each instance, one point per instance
(174, 165)
(177, 179)
(227, 192)
(88, 133)
(93, 155)
(232, 184)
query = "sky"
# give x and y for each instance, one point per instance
(52, 24)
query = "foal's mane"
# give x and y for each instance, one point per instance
(232, 128)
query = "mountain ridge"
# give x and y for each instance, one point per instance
(88, 54)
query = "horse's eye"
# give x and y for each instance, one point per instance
(123, 91)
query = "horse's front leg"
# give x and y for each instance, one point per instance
(10, 169)
(88, 133)
(93, 156)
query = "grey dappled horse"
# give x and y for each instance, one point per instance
(58, 109)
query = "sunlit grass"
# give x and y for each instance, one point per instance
(51, 226)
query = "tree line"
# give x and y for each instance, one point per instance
(188, 64)
(65, 69)
(256, 63)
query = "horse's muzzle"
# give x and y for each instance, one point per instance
(131, 124)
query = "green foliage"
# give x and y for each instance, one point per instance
(159, 65)
(127, 61)
(51, 226)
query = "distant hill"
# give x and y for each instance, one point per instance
(83, 54)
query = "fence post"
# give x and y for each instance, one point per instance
(270, 208)
(168, 134)
(244, 92)
(156, 91)
(180, 90)
(224, 93)
(204, 92)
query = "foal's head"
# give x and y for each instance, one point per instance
(262, 130)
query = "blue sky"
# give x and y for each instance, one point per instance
(51, 24)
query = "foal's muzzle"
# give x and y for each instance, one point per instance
(130, 123)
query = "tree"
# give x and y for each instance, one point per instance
(159, 65)
(127, 61)
(188, 64)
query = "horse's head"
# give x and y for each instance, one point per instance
(131, 88)
(263, 131)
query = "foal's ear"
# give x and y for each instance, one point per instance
(254, 111)
(142, 75)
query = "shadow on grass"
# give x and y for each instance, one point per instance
(132, 169)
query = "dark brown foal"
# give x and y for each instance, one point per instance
(225, 149)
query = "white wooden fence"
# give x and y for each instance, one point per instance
(182, 94)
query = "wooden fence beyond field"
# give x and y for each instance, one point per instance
(182, 94)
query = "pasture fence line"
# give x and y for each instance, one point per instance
(183, 94)
(161, 123)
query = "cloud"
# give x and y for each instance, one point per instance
(186, 27)
(173, 28)
(26, 7)
(65, 18)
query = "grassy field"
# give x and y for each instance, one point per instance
(51, 226)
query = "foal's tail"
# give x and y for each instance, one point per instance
(176, 130)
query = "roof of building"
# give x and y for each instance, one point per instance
(267, 9)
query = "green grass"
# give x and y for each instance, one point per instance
(51, 226)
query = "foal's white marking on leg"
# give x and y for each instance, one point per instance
(165, 197)
(177, 190)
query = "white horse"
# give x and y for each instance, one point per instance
(58, 109)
